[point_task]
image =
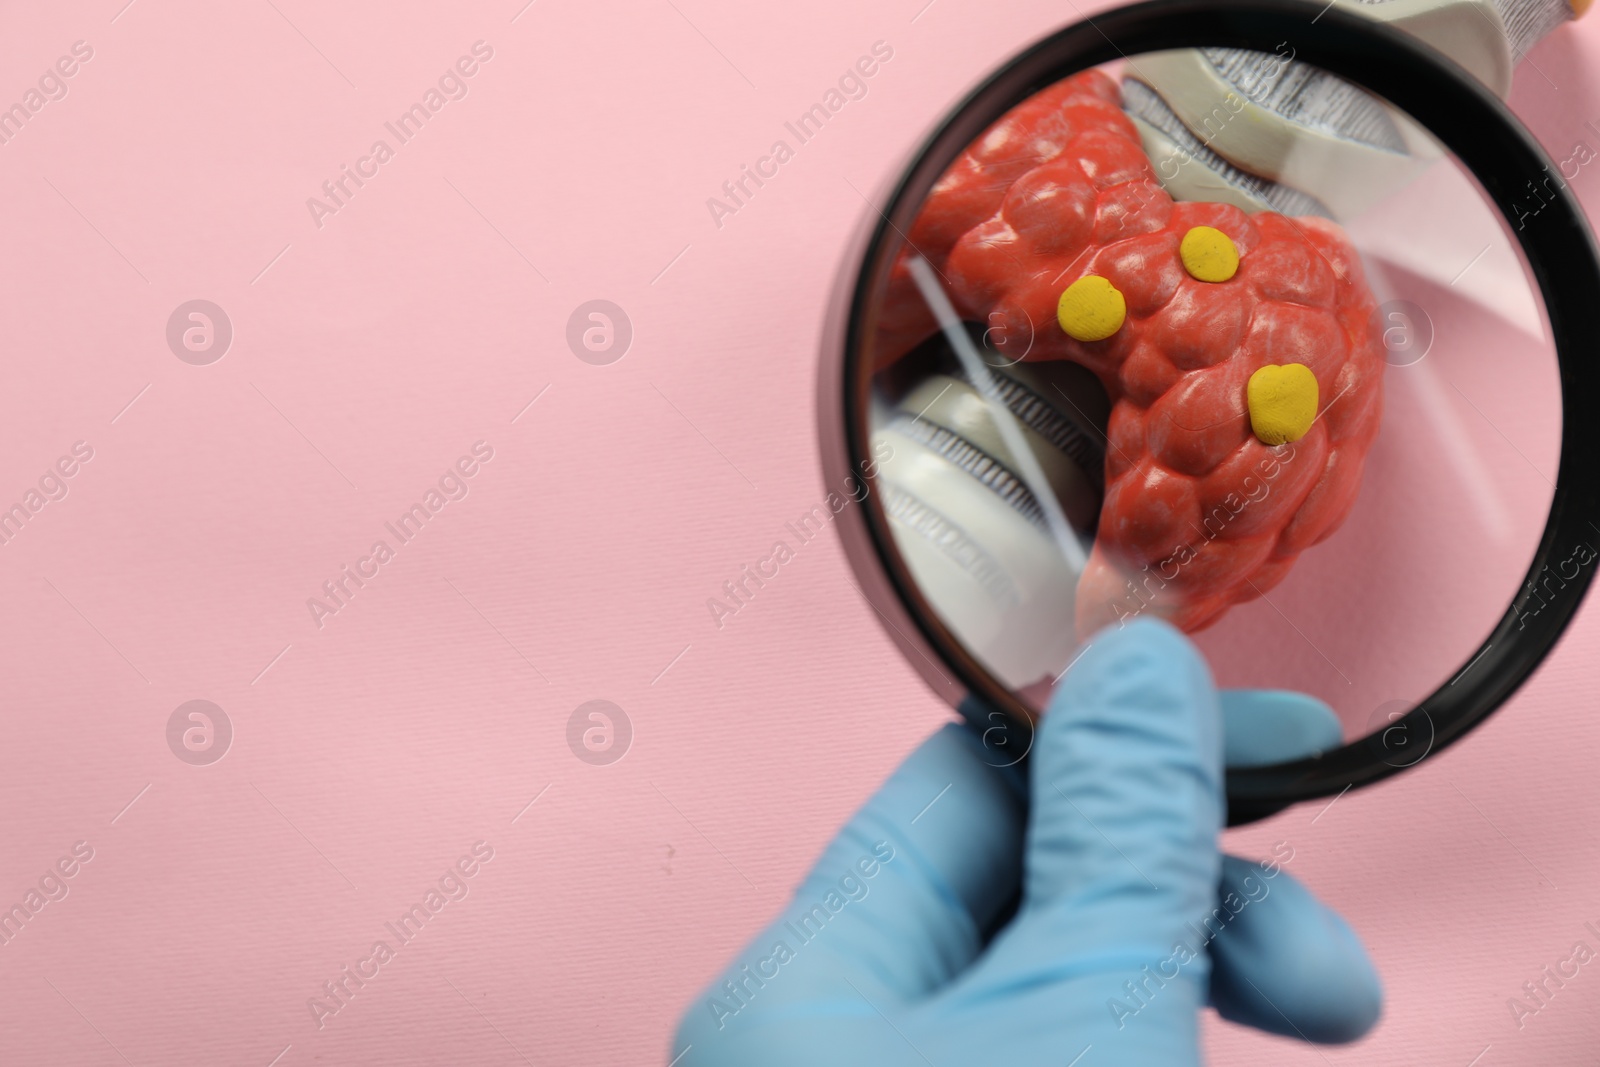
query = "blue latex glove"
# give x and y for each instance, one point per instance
(901, 947)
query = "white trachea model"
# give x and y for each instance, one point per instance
(970, 528)
(1264, 131)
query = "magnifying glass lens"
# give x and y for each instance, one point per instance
(1213, 336)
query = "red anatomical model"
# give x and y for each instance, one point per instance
(1199, 512)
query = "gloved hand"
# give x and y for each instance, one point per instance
(906, 944)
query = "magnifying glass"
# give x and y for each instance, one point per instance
(1257, 316)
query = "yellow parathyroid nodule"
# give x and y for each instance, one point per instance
(1091, 309)
(1282, 402)
(1208, 254)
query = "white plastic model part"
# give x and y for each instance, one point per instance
(1190, 172)
(1263, 131)
(1346, 175)
(1471, 32)
(994, 576)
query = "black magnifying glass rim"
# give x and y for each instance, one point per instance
(1508, 164)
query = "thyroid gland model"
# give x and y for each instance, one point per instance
(1199, 388)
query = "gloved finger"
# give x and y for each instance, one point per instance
(1259, 727)
(899, 902)
(1262, 726)
(1284, 962)
(1120, 862)
(1127, 781)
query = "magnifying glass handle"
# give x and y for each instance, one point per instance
(1264, 131)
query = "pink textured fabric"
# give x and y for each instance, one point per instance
(370, 755)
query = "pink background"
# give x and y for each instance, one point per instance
(368, 354)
